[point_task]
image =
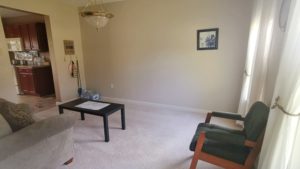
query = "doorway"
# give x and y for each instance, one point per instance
(26, 36)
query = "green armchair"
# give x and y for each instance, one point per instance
(230, 148)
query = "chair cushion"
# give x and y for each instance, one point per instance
(18, 116)
(211, 127)
(256, 120)
(231, 152)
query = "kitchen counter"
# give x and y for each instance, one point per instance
(31, 66)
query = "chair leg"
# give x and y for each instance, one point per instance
(69, 161)
(198, 149)
(194, 161)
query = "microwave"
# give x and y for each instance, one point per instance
(14, 44)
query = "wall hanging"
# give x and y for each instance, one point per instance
(207, 39)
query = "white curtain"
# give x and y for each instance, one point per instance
(258, 55)
(252, 47)
(282, 133)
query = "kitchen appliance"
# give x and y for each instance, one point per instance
(14, 44)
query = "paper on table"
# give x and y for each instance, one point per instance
(92, 105)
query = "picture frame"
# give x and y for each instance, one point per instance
(207, 39)
(69, 47)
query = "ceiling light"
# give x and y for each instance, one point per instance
(95, 14)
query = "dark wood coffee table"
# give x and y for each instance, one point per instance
(104, 112)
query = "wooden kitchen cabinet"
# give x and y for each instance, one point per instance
(12, 31)
(25, 37)
(27, 84)
(36, 80)
(38, 36)
(33, 35)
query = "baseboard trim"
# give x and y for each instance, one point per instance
(156, 105)
(65, 101)
(144, 103)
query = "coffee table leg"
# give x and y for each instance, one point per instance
(105, 122)
(123, 118)
(82, 116)
(61, 110)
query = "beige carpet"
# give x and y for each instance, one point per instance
(154, 139)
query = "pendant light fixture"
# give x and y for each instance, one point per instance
(95, 14)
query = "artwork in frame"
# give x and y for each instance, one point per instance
(207, 39)
(69, 47)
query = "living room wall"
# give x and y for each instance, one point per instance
(148, 52)
(63, 21)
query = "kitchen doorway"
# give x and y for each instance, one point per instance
(27, 36)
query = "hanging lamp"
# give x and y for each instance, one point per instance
(95, 14)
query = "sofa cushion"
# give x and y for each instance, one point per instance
(4, 127)
(18, 116)
(45, 144)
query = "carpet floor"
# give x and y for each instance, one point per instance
(154, 138)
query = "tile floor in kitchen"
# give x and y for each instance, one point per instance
(38, 103)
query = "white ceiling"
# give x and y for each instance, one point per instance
(84, 2)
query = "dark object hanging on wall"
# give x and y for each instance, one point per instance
(207, 39)
(72, 68)
(79, 90)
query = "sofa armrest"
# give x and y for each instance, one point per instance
(33, 134)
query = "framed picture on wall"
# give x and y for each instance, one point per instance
(69, 47)
(207, 39)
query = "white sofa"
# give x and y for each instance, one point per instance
(42, 145)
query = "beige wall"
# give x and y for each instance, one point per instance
(7, 85)
(148, 51)
(64, 25)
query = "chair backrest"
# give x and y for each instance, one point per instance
(256, 120)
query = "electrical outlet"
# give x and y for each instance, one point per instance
(112, 85)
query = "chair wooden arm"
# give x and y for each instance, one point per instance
(208, 117)
(249, 143)
(231, 116)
